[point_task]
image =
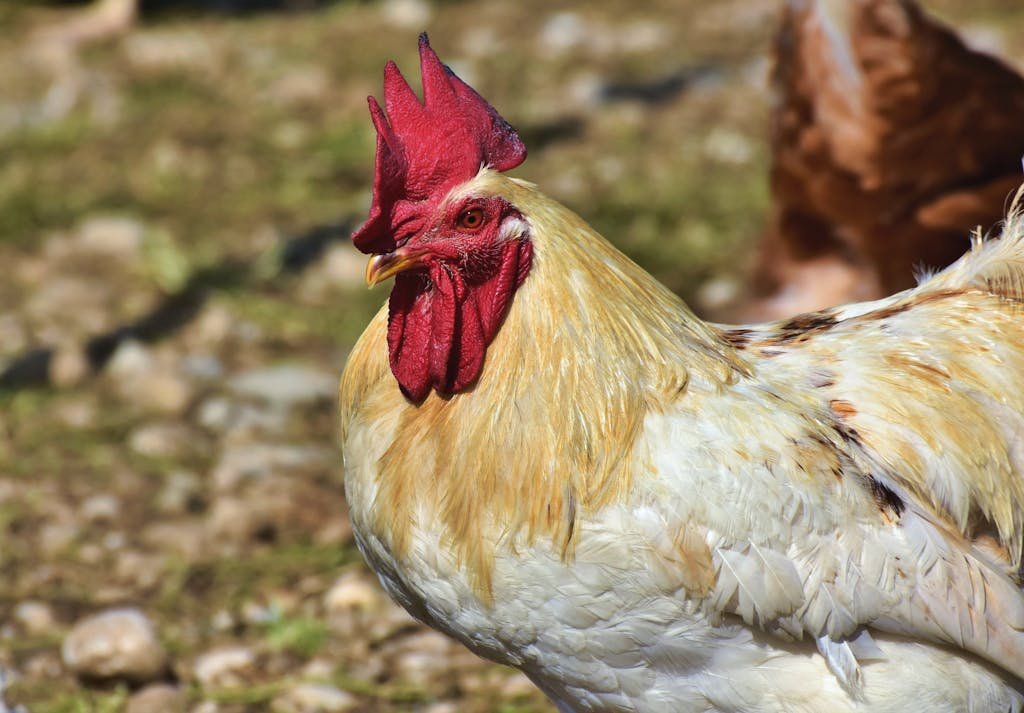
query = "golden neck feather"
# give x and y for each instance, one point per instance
(590, 344)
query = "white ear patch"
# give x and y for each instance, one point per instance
(513, 228)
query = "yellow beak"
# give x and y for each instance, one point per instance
(381, 267)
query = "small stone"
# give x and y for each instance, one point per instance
(114, 540)
(481, 40)
(255, 461)
(214, 325)
(115, 644)
(181, 492)
(562, 32)
(69, 366)
(410, 14)
(13, 335)
(443, 707)
(642, 36)
(216, 413)
(101, 507)
(55, 537)
(386, 622)
(286, 385)
(426, 660)
(336, 531)
(77, 413)
(139, 379)
(247, 332)
(184, 537)
(163, 392)
(314, 698)
(141, 570)
(162, 439)
(224, 415)
(319, 668)
(35, 618)
(68, 308)
(351, 591)
(259, 613)
(111, 235)
(157, 698)
(289, 135)
(204, 367)
(300, 85)
(91, 553)
(222, 620)
(274, 507)
(231, 521)
(45, 665)
(729, 147)
(130, 359)
(176, 49)
(584, 90)
(227, 667)
(718, 293)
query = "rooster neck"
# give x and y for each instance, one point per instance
(590, 346)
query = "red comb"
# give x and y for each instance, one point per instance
(424, 149)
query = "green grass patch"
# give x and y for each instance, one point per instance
(302, 636)
(46, 700)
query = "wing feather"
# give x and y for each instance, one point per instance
(919, 399)
(758, 584)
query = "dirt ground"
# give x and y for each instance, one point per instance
(178, 298)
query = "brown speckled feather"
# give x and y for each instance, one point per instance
(925, 391)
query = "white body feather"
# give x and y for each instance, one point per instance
(613, 631)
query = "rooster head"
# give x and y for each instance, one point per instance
(457, 258)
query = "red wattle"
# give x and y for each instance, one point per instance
(440, 323)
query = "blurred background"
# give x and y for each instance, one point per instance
(178, 295)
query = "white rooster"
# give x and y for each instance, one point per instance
(550, 458)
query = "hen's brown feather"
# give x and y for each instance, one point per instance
(892, 139)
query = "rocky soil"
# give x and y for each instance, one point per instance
(178, 298)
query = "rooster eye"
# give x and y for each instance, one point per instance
(471, 220)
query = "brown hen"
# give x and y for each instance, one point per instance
(892, 139)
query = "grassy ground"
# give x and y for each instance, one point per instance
(131, 165)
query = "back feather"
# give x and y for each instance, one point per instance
(995, 266)
(921, 396)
